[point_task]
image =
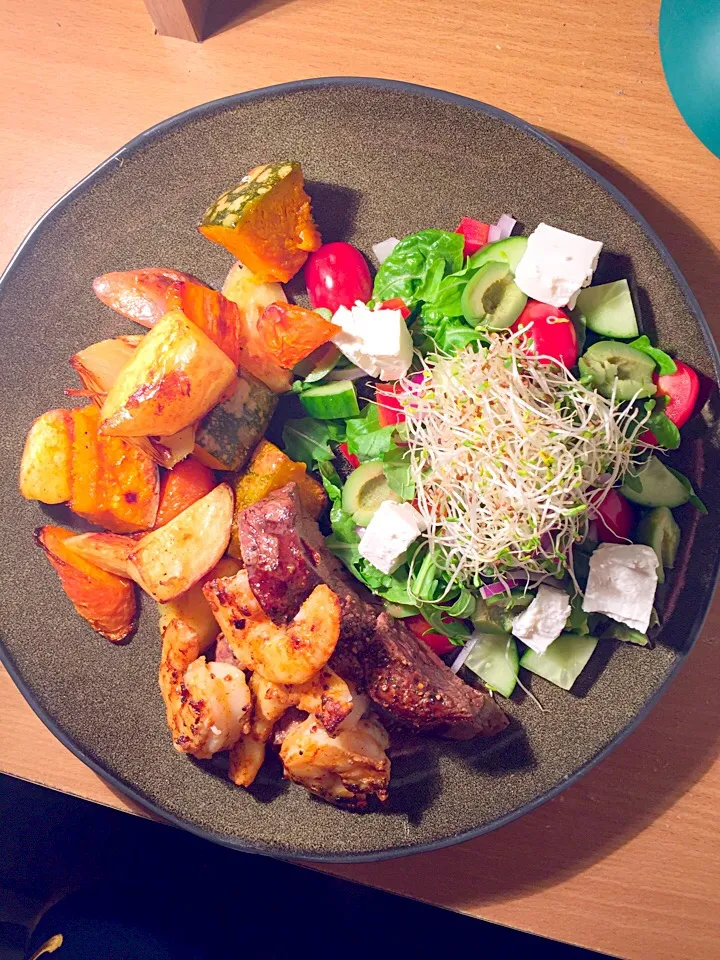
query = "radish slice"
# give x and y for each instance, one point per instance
(492, 589)
(346, 373)
(505, 225)
(383, 249)
(463, 655)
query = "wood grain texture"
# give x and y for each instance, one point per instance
(628, 860)
(183, 19)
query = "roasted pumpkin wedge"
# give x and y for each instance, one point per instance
(175, 376)
(208, 309)
(109, 551)
(226, 437)
(170, 560)
(112, 483)
(106, 601)
(265, 221)
(139, 295)
(45, 464)
(193, 609)
(291, 333)
(181, 487)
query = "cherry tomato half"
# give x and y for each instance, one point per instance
(614, 518)
(336, 276)
(682, 387)
(436, 641)
(549, 332)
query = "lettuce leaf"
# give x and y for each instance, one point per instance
(664, 362)
(415, 268)
(307, 440)
(396, 465)
(366, 438)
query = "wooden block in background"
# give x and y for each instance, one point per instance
(183, 19)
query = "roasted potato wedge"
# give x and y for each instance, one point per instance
(176, 375)
(45, 464)
(106, 601)
(139, 295)
(109, 551)
(99, 365)
(192, 607)
(170, 560)
(112, 483)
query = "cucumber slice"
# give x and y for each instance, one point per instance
(614, 365)
(364, 490)
(508, 251)
(658, 487)
(608, 309)
(319, 363)
(563, 661)
(492, 298)
(494, 659)
(658, 530)
(331, 401)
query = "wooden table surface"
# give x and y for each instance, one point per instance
(628, 860)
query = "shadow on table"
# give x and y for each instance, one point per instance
(645, 775)
(223, 15)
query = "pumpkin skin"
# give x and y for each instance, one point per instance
(229, 433)
(265, 222)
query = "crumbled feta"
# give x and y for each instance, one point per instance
(544, 620)
(622, 583)
(556, 265)
(378, 341)
(393, 528)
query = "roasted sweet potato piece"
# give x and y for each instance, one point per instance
(109, 551)
(170, 560)
(187, 482)
(112, 483)
(175, 377)
(139, 295)
(291, 333)
(45, 464)
(106, 601)
(265, 222)
(208, 309)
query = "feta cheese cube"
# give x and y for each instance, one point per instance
(556, 265)
(544, 620)
(378, 341)
(622, 583)
(393, 528)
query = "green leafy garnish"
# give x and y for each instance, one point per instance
(366, 438)
(396, 465)
(664, 361)
(307, 440)
(415, 268)
(694, 499)
(664, 430)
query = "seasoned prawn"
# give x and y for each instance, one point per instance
(346, 769)
(326, 695)
(207, 704)
(289, 655)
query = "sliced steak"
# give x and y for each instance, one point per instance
(285, 554)
(414, 686)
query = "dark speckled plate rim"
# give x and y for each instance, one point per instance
(397, 86)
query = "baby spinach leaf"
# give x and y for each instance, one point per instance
(664, 361)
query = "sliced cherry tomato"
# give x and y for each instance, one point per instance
(549, 332)
(351, 458)
(614, 518)
(336, 276)
(682, 388)
(290, 333)
(397, 303)
(390, 409)
(436, 641)
(475, 233)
